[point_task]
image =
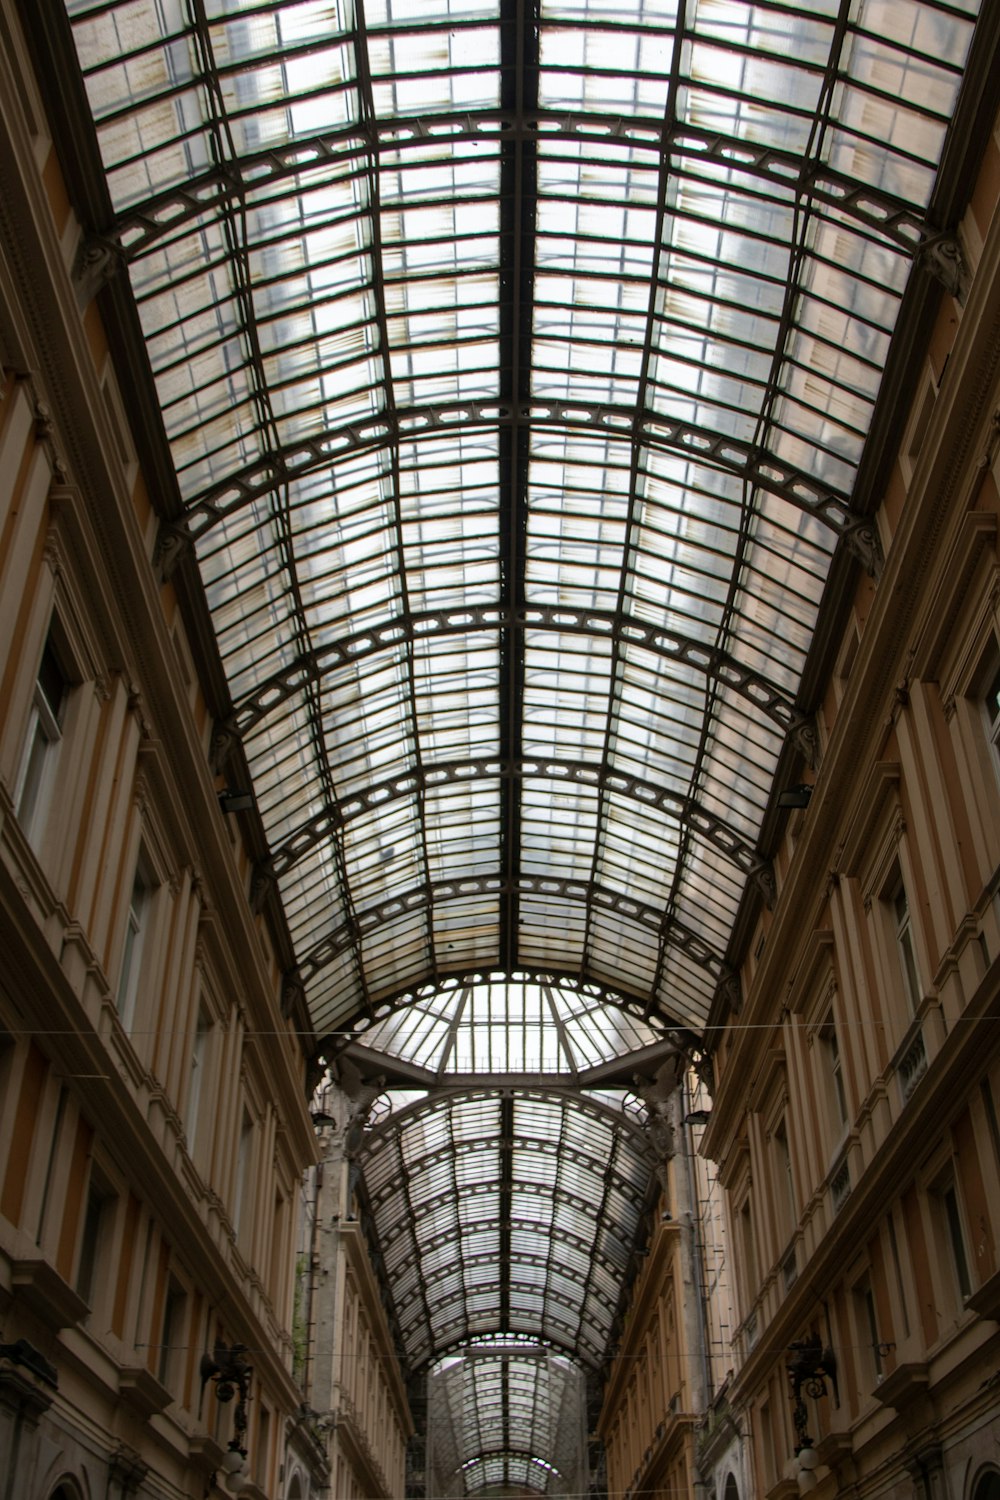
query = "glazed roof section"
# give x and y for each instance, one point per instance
(506, 1412)
(516, 363)
(503, 1212)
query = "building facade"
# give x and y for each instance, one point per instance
(813, 1300)
(153, 1120)
(858, 1064)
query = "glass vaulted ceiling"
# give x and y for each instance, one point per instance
(516, 362)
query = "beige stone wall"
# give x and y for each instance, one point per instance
(354, 1377)
(153, 1125)
(855, 1119)
(653, 1400)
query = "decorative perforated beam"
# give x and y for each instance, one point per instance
(134, 233)
(486, 768)
(716, 663)
(745, 461)
(688, 942)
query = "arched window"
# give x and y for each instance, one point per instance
(65, 1491)
(987, 1486)
(295, 1488)
(732, 1490)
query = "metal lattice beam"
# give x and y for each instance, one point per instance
(745, 461)
(136, 232)
(715, 662)
(370, 920)
(487, 768)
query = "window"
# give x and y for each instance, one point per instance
(747, 1270)
(136, 921)
(36, 778)
(244, 1165)
(784, 1185)
(956, 1240)
(991, 705)
(898, 1268)
(834, 1069)
(99, 1200)
(263, 1445)
(172, 1333)
(868, 1333)
(199, 1060)
(904, 943)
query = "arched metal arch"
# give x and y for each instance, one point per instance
(376, 1137)
(422, 897)
(330, 1045)
(487, 768)
(472, 1262)
(137, 231)
(747, 462)
(592, 1361)
(274, 691)
(502, 1452)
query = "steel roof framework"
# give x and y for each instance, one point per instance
(515, 360)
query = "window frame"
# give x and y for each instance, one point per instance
(43, 741)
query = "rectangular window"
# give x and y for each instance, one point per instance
(263, 1445)
(834, 1068)
(244, 1164)
(991, 705)
(99, 1201)
(748, 1258)
(172, 1334)
(897, 1265)
(869, 1336)
(135, 923)
(199, 1059)
(905, 947)
(36, 778)
(989, 1107)
(785, 1186)
(956, 1239)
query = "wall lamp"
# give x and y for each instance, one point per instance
(809, 1366)
(795, 796)
(228, 1368)
(233, 801)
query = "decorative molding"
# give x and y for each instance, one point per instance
(142, 1391)
(907, 1384)
(38, 1286)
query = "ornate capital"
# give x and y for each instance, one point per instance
(942, 256)
(862, 539)
(97, 260)
(171, 544)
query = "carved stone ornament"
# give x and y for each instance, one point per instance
(225, 738)
(805, 737)
(44, 427)
(942, 256)
(261, 883)
(762, 876)
(171, 544)
(127, 1469)
(97, 260)
(731, 991)
(292, 991)
(862, 539)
